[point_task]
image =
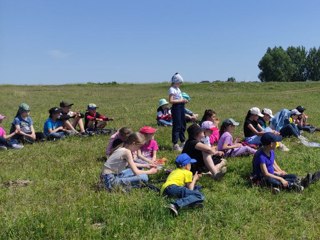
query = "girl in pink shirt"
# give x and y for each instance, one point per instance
(4, 143)
(148, 152)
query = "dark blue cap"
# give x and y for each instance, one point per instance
(183, 159)
(269, 137)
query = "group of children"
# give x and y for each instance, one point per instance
(132, 156)
(62, 121)
(203, 153)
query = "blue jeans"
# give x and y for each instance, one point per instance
(290, 130)
(253, 140)
(290, 178)
(56, 135)
(178, 123)
(125, 178)
(4, 142)
(162, 122)
(185, 196)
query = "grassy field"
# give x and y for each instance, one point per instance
(61, 201)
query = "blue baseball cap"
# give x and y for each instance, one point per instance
(183, 159)
(269, 137)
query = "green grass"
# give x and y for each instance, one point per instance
(61, 202)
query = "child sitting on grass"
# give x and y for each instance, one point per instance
(53, 128)
(164, 116)
(226, 143)
(118, 138)
(210, 115)
(148, 152)
(266, 169)
(94, 120)
(180, 184)
(22, 125)
(4, 143)
(115, 171)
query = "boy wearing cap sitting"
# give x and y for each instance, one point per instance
(71, 119)
(181, 184)
(53, 128)
(290, 125)
(94, 120)
(266, 169)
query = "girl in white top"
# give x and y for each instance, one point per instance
(177, 110)
(115, 170)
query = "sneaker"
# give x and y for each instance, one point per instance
(3, 148)
(297, 187)
(219, 175)
(275, 190)
(283, 148)
(176, 147)
(306, 181)
(173, 209)
(222, 163)
(182, 145)
(17, 146)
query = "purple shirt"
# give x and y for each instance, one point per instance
(261, 158)
(148, 148)
(226, 138)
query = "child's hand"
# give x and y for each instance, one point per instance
(284, 183)
(220, 153)
(238, 145)
(152, 165)
(238, 140)
(153, 170)
(196, 176)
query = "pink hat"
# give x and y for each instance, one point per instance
(147, 130)
(2, 117)
(208, 125)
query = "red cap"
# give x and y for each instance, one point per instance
(147, 130)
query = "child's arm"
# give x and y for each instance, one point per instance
(140, 156)
(32, 135)
(265, 173)
(134, 168)
(277, 169)
(255, 130)
(175, 101)
(10, 135)
(154, 156)
(194, 180)
(205, 148)
(50, 130)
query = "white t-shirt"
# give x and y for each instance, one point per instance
(206, 140)
(175, 92)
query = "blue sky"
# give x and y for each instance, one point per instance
(77, 41)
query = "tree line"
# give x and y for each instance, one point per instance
(292, 64)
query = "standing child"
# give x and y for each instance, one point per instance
(4, 143)
(148, 152)
(180, 184)
(227, 145)
(94, 120)
(53, 128)
(178, 112)
(266, 169)
(118, 138)
(164, 116)
(115, 171)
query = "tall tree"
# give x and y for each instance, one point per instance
(275, 66)
(298, 56)
(313, 64)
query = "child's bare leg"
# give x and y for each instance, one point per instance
(68, 126)
(78, 121)
(209, 163)
(101, 124)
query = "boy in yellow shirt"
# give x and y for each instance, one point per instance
(181, 184)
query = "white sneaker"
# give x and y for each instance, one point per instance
(17, 146)
(173, 210)
(283, 148)
(3, 148)
(176, 147)
(182, 145)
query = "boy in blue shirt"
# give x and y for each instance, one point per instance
(266, 169)
(53, 128)
(181, 184)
